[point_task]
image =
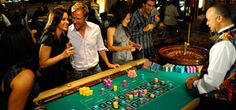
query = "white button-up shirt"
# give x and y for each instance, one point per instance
(222, 55)
(86, 48)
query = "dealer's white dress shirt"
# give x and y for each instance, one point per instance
(221, 56)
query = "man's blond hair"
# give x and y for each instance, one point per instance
(80, 6)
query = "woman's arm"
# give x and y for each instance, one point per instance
(21, 86)
(111, 47)
(103, 55)
(44, 56)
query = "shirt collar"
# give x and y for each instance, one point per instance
(225, 28)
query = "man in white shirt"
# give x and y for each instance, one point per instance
(87, 41)
(222, 56)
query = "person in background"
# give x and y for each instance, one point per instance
(141, 28)
(54, 50)
(37, 13)
(170, 15)
(222, 58)
(118, 37)
(93, 17)
(4, 17)
(87, 41)
(17, 69)
(95, 5)
(45, 10)
(38, 22)
(4, 14)
(24, 16)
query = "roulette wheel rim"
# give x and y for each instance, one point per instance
(175, 54)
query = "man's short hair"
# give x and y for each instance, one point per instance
(145, 1)
(80, 6)
(222, 10)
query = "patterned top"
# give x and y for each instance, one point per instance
(121, 39)
(228, 36)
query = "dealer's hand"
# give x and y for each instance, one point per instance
(190, 80)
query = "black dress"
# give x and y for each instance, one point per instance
(53, 75)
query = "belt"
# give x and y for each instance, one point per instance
(90, 69)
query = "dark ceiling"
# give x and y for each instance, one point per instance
(41, 1)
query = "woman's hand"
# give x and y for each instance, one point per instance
(110, 65)
(68, 51)
(138, 46)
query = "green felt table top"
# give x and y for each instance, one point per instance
(174, 99)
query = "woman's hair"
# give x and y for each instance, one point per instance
(16, 46)
(55, 18)
(119, 16)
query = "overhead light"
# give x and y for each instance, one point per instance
(200, 3)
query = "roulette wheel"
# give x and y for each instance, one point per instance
(183, 55)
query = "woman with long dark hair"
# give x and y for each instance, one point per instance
(54, 49)
(17, 69)
(118, 37)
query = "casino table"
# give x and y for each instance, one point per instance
(173, 94)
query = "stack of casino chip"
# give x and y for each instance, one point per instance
(107, 83)
(145, 91)
(168, 67)
(141, 92)
(85, 91)
(152, 95)
(115, 88)
(142, 76)
(115, 104)
(179, 68)
(124, 83)
(135, 93)
(191, 69)
(102, 91)
(199, 68)
(131, 96)
(132, 73)
(156, 80)
(96, 107)
(157, 92)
